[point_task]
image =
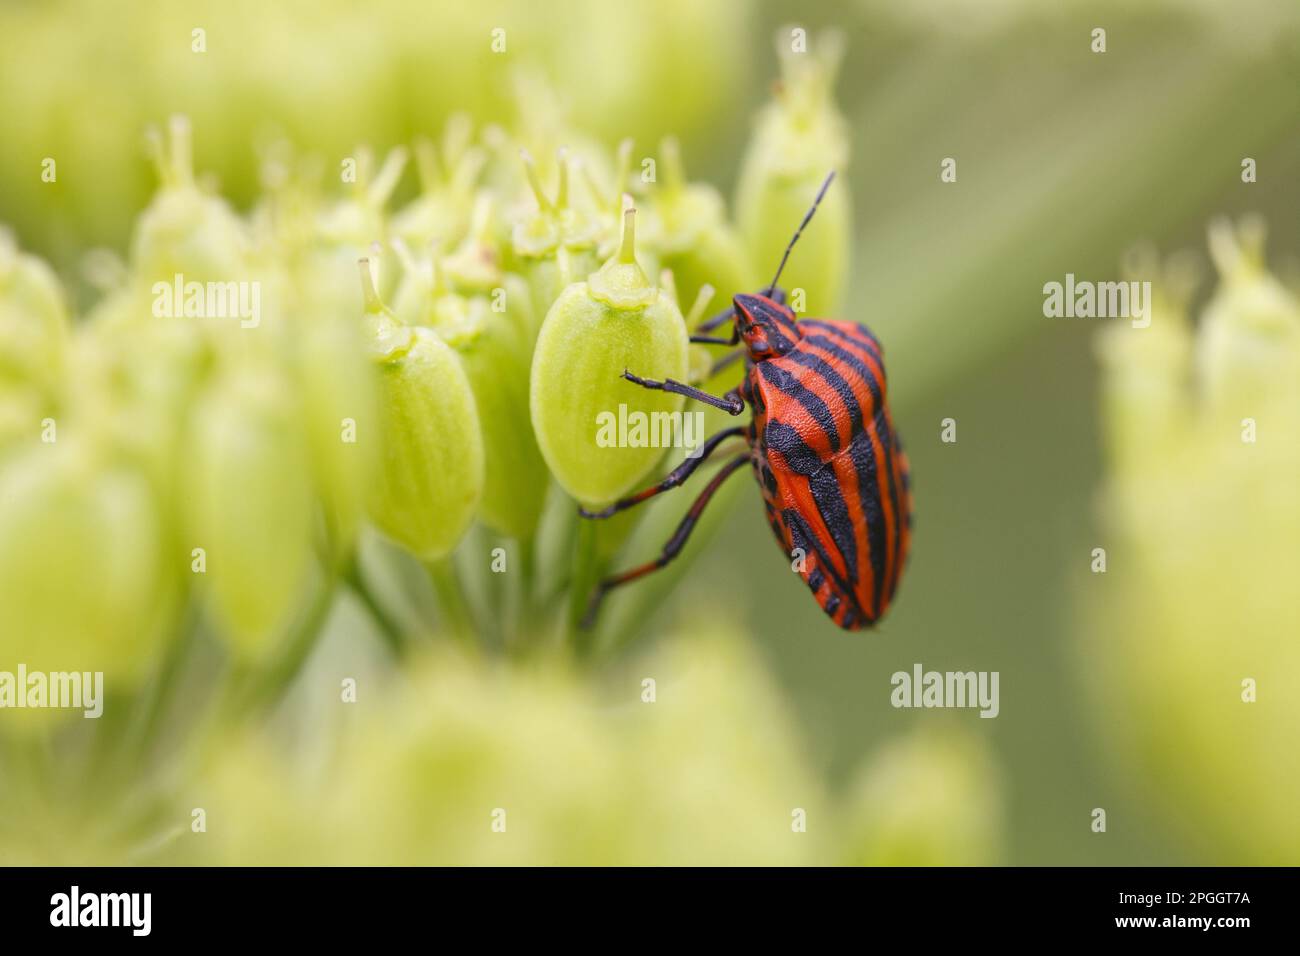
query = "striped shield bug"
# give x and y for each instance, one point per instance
(821, 442)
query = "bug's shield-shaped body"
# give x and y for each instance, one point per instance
(833, 475)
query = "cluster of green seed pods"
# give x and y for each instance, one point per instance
(222, 432)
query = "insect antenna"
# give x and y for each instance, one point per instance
(798, 232)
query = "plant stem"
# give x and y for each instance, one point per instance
(146, 717)
(525, 610)
(390, 630)
(452, 604)
(586, 568)
(267, 687)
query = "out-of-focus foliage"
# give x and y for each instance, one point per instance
(331, 74)
(709, 772)
(928, 799)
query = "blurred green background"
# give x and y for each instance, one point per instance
(1066, 159)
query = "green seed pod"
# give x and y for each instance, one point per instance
(430, 475)
(185, 231)
(484, 316)
(696, 242)
(79, 562)
(33, 320)
(614, 322)
(798, 138)
(496, 362)
(557, 245)
(249, 504)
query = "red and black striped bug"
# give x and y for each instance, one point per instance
(822, 444)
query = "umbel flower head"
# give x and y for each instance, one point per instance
(1190, 645)
(213, 474)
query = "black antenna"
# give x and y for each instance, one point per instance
(799, 232)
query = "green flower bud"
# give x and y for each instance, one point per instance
(249, 504)
(614, 322)
(355, 227)
(132, 380)
(79, 562)
(185, 230)
(496, 363)
(486, 321)
(1147, 396)
(800, 137)
(33, 320)
(695, 240)
(358, 220)
(431, 474)
(337, 385)
(442, 210)
(557, 245)
(1249, 346)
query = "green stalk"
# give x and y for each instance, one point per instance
(146, 717)
(526, 610)
(392, 633)
(268, 686)
(452, 604)
(586, 571)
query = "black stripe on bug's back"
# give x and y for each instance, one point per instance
(831, 340)
(812, 403)
(837, 382)
(833, 344)
(829, 498)
(802, 536)
(858, 333)
(865, 465)
(784, 438)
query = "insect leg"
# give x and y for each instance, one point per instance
(716, 340)
(726, 360)
(674, 546)
(708, 325)
(730, 403)
(672, 480)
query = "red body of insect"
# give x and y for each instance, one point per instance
(822, 445)
(833, 475)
